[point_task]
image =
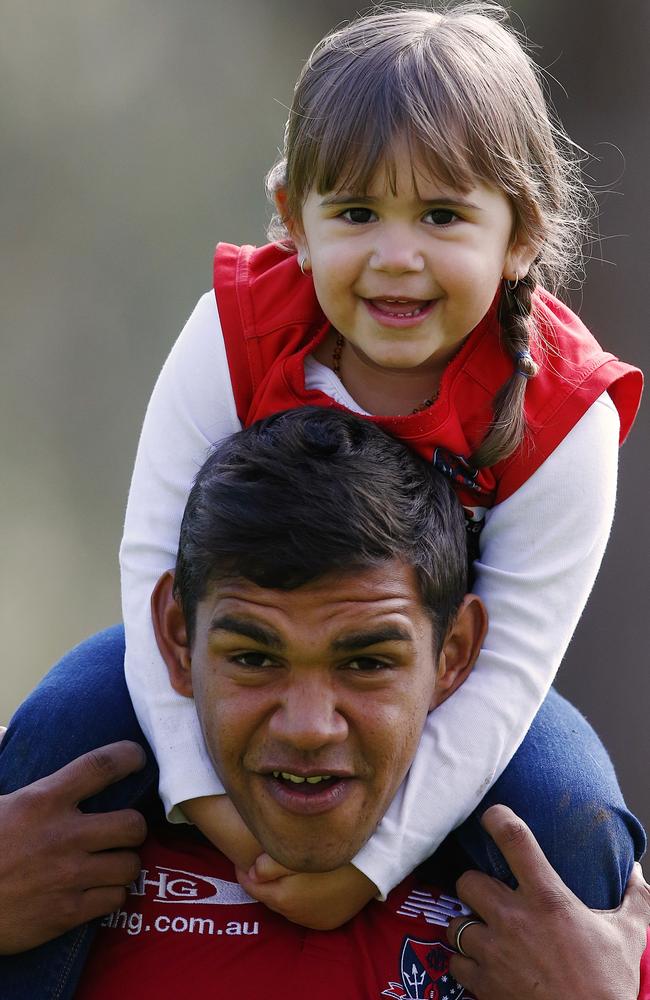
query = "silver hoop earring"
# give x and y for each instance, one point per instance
(511, 285)
(302, 263)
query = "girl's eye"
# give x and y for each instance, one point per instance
(253, 659)
(358, 216)
(441, 216)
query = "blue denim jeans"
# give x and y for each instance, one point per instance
(561, 782)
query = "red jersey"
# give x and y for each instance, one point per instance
(271, 320)
(189, 929)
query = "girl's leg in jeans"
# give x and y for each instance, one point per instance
(561, 782)
(83, 703)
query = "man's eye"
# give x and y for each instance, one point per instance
(441, 216)
(253, 659)
(367, 664)
(358, 216)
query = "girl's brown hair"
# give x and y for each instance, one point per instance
(459, 87)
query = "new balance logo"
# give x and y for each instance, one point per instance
(435, 909)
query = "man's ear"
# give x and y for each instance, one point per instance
(171, 634)
(460, 648)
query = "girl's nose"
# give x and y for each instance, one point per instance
(395, 251)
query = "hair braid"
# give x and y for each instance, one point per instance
(509, 421)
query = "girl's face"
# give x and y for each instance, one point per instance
(405, 276)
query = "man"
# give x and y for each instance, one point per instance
(317, 613)
(316, 627)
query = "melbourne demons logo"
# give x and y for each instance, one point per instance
(424, 973)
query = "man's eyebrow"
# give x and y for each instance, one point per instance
(372, 637)
(244, 626)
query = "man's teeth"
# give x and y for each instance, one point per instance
(298, 780)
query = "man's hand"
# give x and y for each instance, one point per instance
(60, 867)
(320, 900)
(539, 941)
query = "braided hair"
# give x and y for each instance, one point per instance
(508, 424)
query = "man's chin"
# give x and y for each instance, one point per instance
(311, 857)
(309, 847)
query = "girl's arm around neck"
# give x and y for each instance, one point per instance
(540, 552)
(192, 407)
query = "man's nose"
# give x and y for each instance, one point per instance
(309, 717)
(396, 250)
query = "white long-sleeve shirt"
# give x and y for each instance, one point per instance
(540, 551)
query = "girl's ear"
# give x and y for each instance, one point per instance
(292, 225)
(460, 648)
(171, 635)
(280, 199)
(519, 257)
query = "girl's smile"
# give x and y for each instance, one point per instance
(406, 270)
(399, 312)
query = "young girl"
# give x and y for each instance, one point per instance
(425, 202)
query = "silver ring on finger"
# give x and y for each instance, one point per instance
(463, 927)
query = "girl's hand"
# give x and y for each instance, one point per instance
(217, 818)
(266, 869)
(320, 900)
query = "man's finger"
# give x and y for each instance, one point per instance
(473, 936)
(99, 902)
(93, 772)
(106, 831)
(109, 868)
(514, 839)
(466, 972)
(482, 893)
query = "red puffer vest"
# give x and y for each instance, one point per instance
(271, 320)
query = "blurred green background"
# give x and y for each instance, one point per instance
(137, 134)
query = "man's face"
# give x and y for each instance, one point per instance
(312, 702)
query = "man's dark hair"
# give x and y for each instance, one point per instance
(310, 491)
